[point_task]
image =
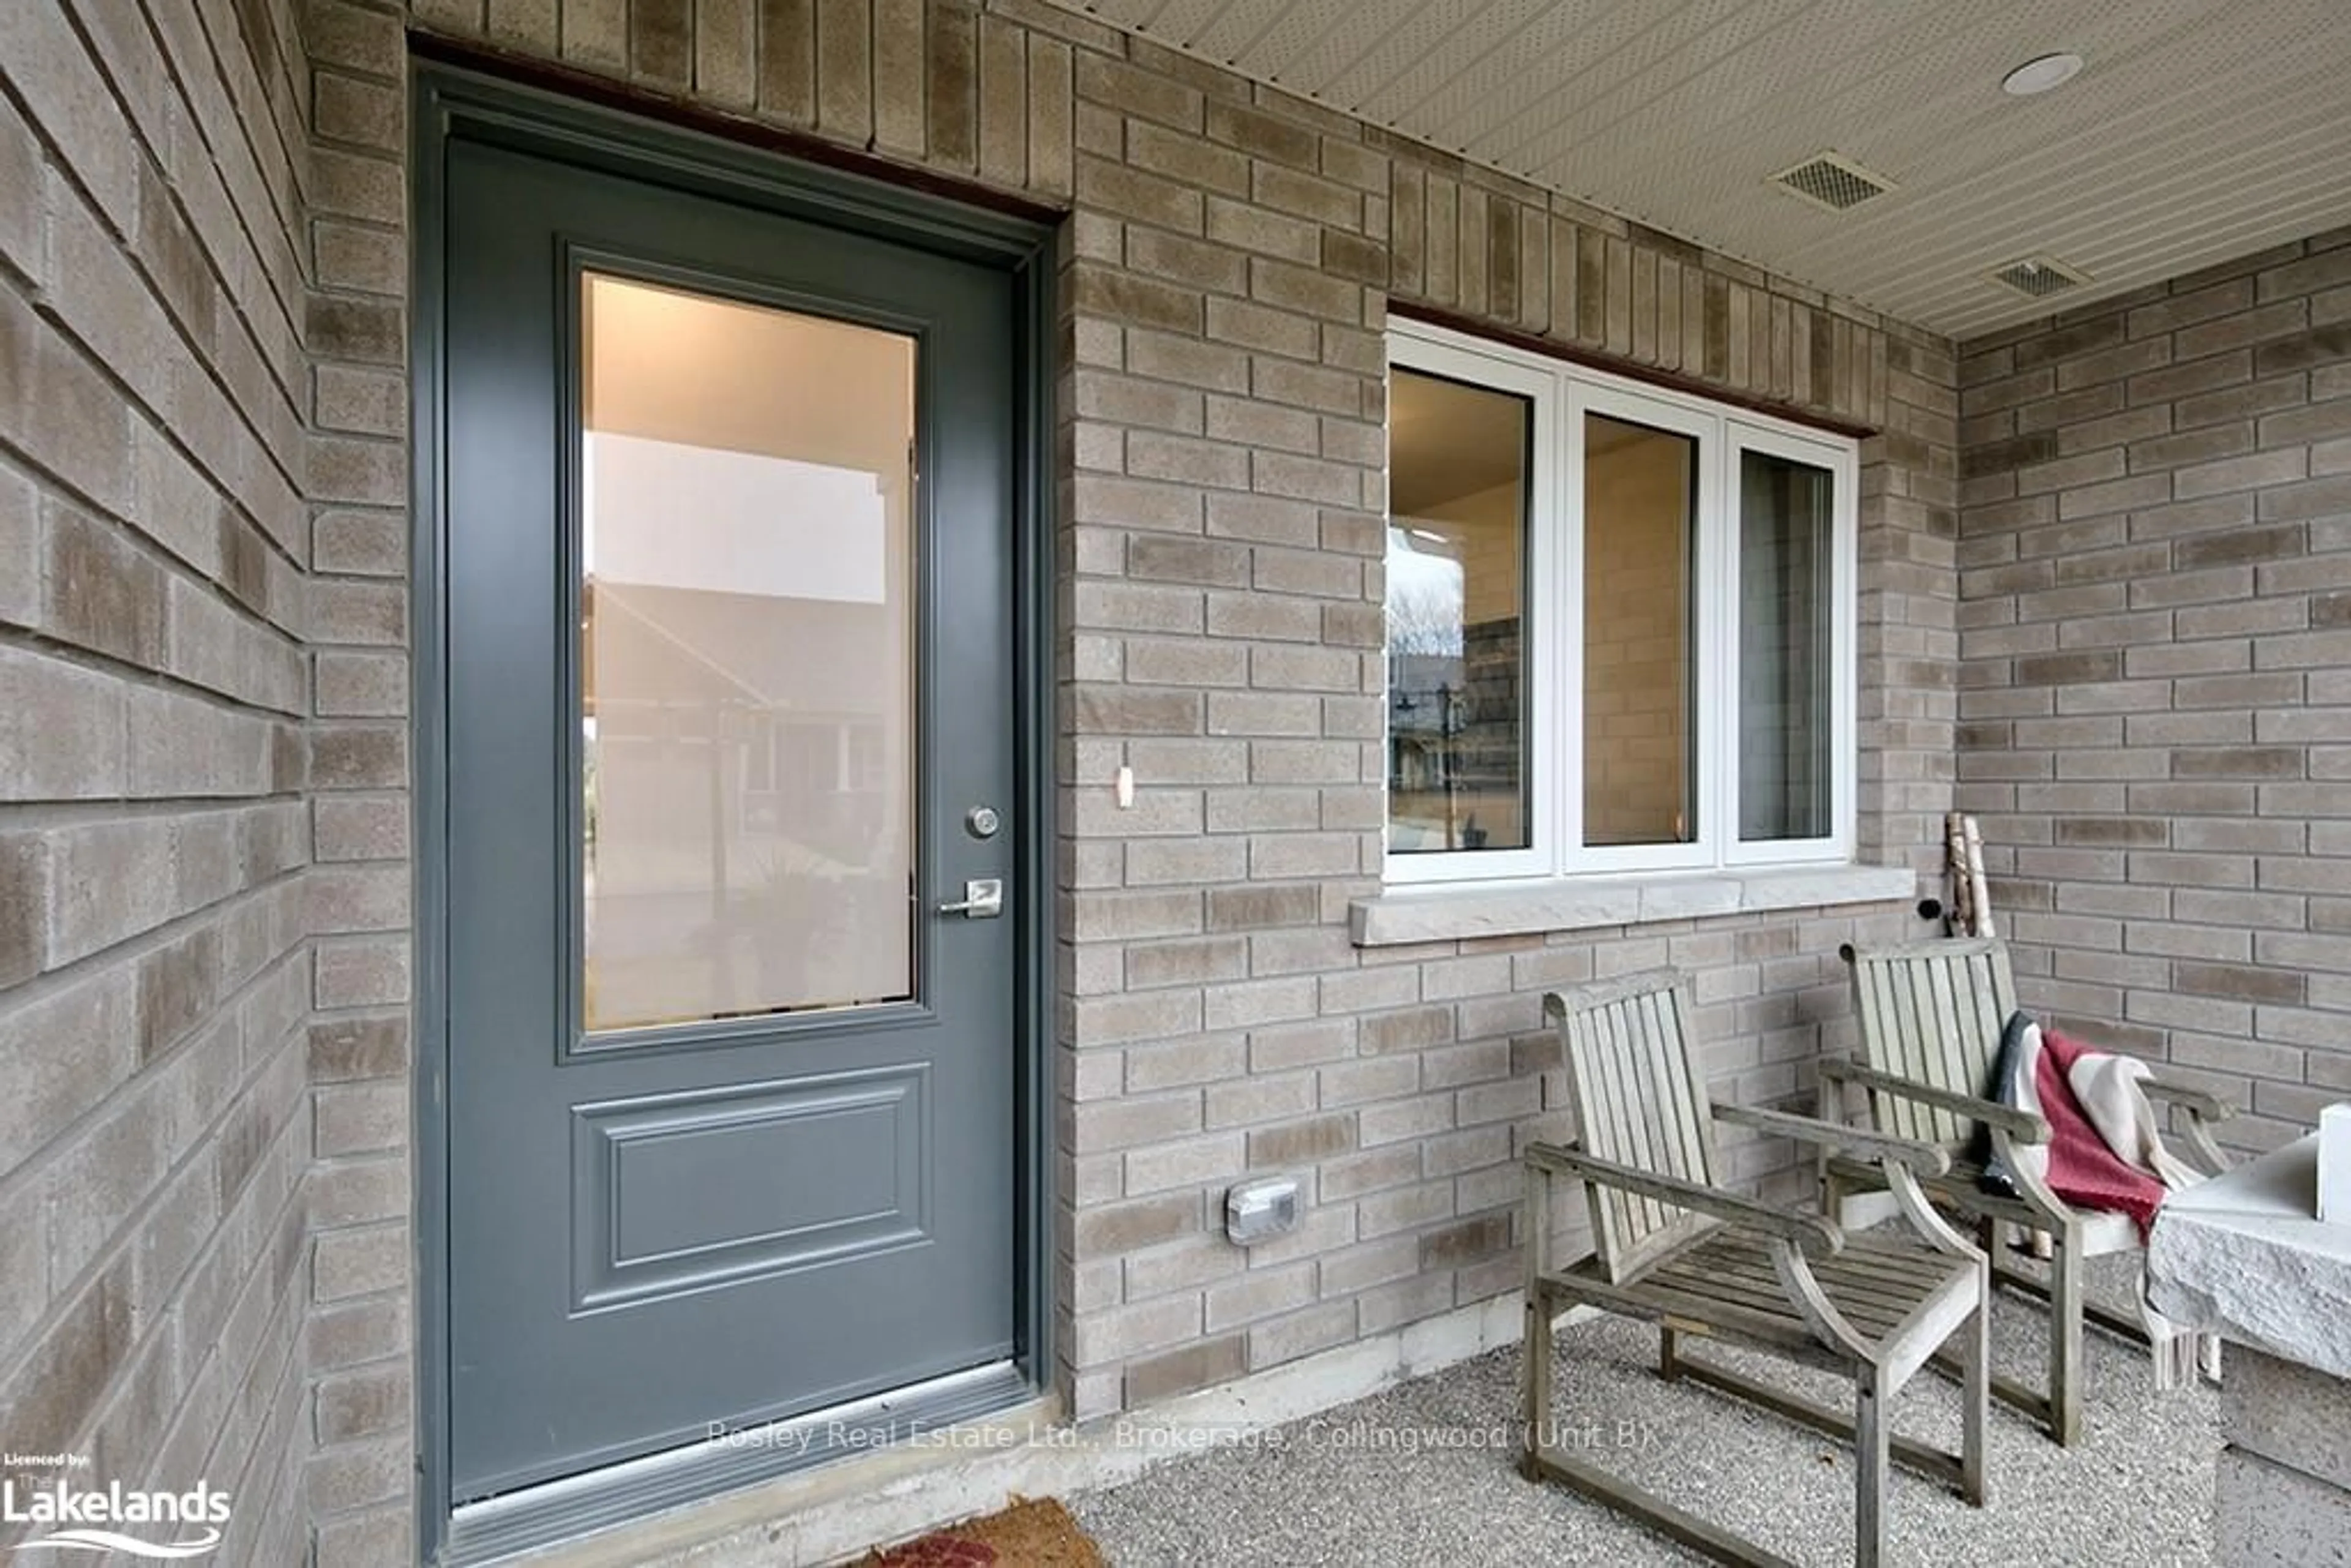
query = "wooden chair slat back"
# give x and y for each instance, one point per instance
(1933, 1011)
(1640, 1101)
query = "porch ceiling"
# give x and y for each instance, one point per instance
(2201, 129)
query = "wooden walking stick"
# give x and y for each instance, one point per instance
(1970, 890)
(1978, 887)
(1971, 917)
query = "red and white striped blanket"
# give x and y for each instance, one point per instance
(2104, 1153)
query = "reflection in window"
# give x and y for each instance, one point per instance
(747, 683)
(1456, 618)
(1784, 655)
(1640, 512)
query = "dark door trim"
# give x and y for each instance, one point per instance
(451, 104)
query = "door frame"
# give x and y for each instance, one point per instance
(458, 95)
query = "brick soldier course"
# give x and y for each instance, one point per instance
(2127, 650)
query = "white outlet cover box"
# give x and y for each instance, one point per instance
(1259, 1210)
(2335, 1164)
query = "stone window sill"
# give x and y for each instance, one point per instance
(1401, 916)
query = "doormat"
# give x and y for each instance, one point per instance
(1034, 1532)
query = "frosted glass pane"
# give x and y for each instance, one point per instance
(746, 674)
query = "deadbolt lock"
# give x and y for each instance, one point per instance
(981, 822)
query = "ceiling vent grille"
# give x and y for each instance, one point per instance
(2040, 277)
(1833, 181)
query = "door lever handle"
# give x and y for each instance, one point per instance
(983, 899)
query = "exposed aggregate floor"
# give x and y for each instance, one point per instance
(1423, 1473)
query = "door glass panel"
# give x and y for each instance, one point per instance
(746, 677)
(1456, 646)
(1784, 667)
(1640, 510)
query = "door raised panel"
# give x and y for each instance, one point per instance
(692, 1192)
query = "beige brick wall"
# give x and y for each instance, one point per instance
(361, 1337)
(2156, 613)
(1225, 273)
(154, 981)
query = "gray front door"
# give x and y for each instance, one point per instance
(730, 665)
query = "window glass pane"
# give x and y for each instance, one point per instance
(745, 675)
(1640, 500)
(1457, 466)
(1784, 536)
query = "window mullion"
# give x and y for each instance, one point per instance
(1720, 831)
(1566, 605)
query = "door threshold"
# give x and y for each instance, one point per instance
(562, 1512)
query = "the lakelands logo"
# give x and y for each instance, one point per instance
(151, 1524)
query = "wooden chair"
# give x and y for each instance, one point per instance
(1931, 1015)
(1675, 1248)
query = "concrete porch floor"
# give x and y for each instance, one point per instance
(1343, 1488)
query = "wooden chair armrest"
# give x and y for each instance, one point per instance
(1809, 1232)
(2195, 1102)
(2205, 1112)
(1923, 1157)
(2016, 1123)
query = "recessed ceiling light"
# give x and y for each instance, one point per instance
(2040, 74)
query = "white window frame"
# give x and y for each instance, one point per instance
(1743, 434)
(1562, 393)
(1640, 407)
(1475, 363)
